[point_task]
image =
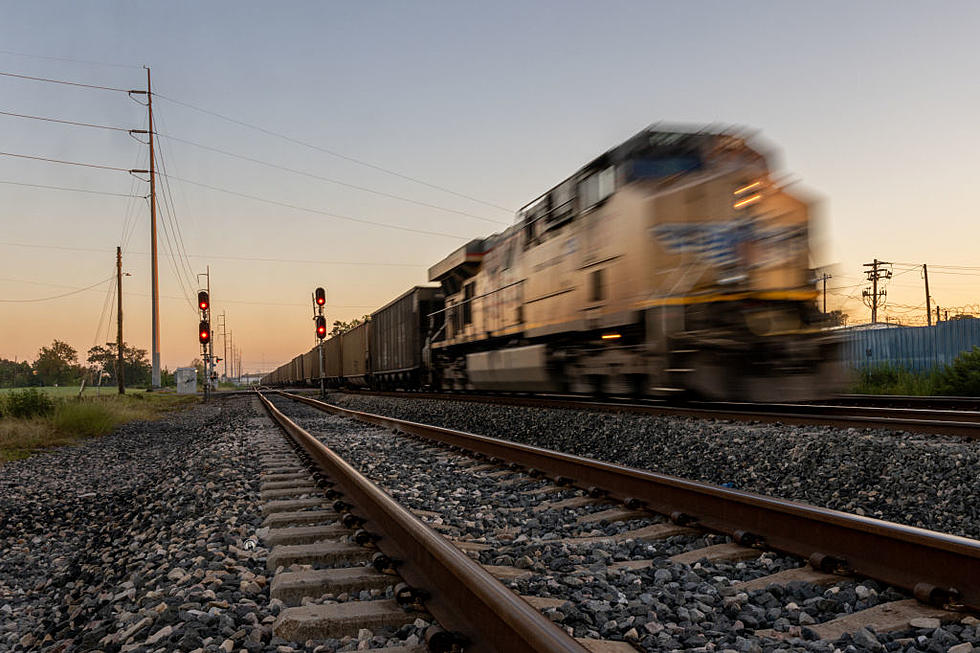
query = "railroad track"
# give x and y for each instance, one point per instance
(942, 421)
(941, 571)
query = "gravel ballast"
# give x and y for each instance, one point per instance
(141, 540)
(664, 606)
(915, 479)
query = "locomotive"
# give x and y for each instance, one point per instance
(671, 265)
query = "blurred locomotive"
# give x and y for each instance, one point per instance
(670, 265)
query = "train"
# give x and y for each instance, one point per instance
(672, 265)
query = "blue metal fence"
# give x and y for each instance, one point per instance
(915, 348)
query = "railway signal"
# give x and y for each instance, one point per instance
(203, 301)
(319, 299)
(204, 332)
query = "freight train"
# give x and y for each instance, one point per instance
(671, 265)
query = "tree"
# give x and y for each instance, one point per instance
(343, 327)
(136, 369)
(962, 377)
(198, 364)
(57, 364)
(837, 318)
(16, 375)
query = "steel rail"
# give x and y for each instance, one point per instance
(943, 422)
(461, 595)
(936, 567)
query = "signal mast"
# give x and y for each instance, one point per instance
(204, 335)
(319, 301)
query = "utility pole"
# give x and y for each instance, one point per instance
(155, 292)
(824, 276)
(224, 340)
(154, 273)
(937, 315)
(874, 297)
(231, 346)
(925, 275)
(119, 318)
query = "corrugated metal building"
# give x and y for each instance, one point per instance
(915, 348)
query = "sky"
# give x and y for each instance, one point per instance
(438, 120)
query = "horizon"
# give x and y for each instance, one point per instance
(438, 121)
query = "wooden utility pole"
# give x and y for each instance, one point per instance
(873, 296)
(925, 275)
(119, 336)
(824, 277)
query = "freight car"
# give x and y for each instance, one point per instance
(671, 264)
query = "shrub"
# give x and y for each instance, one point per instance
(28, 403)
(85, 419)
(962, 376)
(892, 380)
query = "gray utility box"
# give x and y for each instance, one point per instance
(186, 378)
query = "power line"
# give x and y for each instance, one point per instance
(319, 212)
(70, 163)
(335, 154)
(45, 299)
(173, 297)
(329, 180)
(228, 258)
(251, 197)
(67, 59)
(168, 195)
(67, 83)
(63, 122)
(75, 190)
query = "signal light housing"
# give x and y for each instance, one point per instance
(321, 327)
(204, 332)
(321, 296)
(203, 301)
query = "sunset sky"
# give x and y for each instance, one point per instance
(873, 107)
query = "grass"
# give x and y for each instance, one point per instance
(888, 380)
(72, 390)
(74, 420)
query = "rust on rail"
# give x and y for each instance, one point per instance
(460, 594)
(940, 567)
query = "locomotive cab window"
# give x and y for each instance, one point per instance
(597, 187)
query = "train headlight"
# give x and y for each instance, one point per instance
(747, 195)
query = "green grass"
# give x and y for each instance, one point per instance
(72, 390)
(74, 420)
(889, 380)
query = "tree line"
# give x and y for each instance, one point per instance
(59, 365)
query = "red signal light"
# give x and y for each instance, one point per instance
(321, 327)
(321, 296)
(203, 302)
(204, 332)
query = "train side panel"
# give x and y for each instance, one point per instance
(397, 335)
(354, 350)
(334, 364)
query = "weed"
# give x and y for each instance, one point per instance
(962, 377)
(27, 403)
